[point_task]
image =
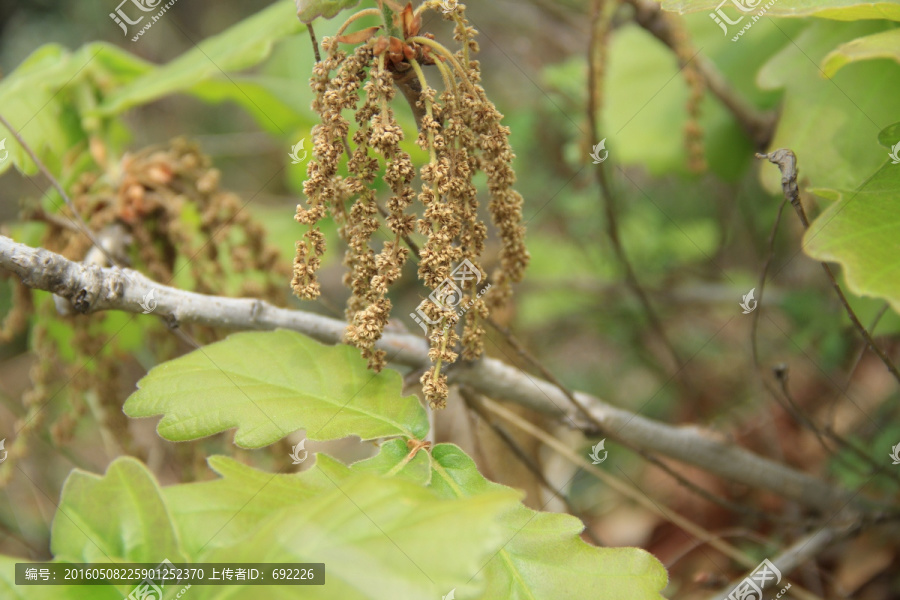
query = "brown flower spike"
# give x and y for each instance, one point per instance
(461, 132)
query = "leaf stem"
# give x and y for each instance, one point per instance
(441, 49)
(369, 12)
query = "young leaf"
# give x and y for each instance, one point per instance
(120, 516)
(828, 123)
(242, 46)
(394, 460)
(860, 231)
(379, 537)
(269, 384)
(51, 79)
(545, 558)
(223, 511)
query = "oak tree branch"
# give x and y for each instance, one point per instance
(90, 288)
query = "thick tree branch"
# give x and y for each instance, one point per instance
(804, 549)
(90, 288)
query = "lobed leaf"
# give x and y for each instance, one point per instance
(545, 557)
(885, 44)
(828, 123)
(120, 516)
(860, 231)
(270, 384)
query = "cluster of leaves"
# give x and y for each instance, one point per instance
(414, 520)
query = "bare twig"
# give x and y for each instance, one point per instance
(91, 289)
(315, 43)
(862, 351)
(801, 551)
(626, 489)
(526, 460)
(528, 357)
(787, 163)
(761, 285)
(595, 46)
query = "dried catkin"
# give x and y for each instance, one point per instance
(460, 130)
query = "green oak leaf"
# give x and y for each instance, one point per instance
(890, 135)
(841, 10)
(545, 557)
(885, 44)
(243, 45)
(861, 231)
(223, 511)
(378, 537)
(394, 459)
(830, 123)
(43, 98)
(309, 10)
(269, 384)
(119, 516)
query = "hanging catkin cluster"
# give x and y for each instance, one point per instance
(460, 130)
(161, 210)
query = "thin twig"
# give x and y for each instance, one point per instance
(59, 188)
(801, 551)
(785, 399)
(526, 460)
(794, 409)
(612, 225)
(629, 490)
(862, 351)
(761, 285)
(315, 43)
(710, 497)
(787, 163)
